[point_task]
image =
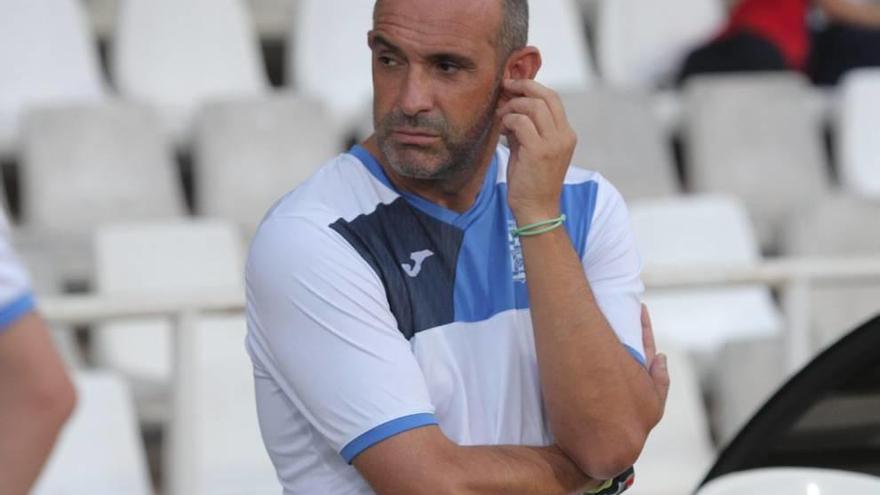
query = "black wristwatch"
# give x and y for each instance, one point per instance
(615, 486)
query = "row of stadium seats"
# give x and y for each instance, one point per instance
(758, 138)
(178, 55)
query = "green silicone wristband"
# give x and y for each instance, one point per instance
(539, 227)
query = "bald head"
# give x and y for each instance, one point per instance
(513, 32)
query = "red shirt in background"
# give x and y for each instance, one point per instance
(782, 22)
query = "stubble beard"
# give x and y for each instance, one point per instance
(456, 153)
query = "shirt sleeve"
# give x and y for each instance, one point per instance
(613, 267)
(16, 297)
(320, 314)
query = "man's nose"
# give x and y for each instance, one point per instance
(416, 94)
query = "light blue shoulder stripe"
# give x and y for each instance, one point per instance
(385, 431)
(14, 310)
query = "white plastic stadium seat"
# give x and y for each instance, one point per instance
(250, 152)
(156, 259)
(642, 43)
(47, 57)
(176, 55)
(758, 137)
(619, 136)
(690, 232)
(737, 391)
(858, 131)
(86, 165)
(679, 451)
(839, 227)
(215, 447)
(100, 451)
(556, 28)
(328, 57)
(792, 481)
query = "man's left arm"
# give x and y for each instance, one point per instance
(601, 402)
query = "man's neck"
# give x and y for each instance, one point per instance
(457, 193)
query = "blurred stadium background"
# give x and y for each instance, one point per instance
(142, 140)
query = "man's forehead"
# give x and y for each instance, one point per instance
(478, 20)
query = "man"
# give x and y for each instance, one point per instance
(36, 395)
(406, 338)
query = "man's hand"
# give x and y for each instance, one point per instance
(656, 363)
(541, 145)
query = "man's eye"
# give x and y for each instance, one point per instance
(387, 61)
(447, 67)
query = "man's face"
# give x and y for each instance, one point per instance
(436, 83)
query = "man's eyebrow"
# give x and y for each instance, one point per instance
(459, 60)
(380, 40)
(465, 62)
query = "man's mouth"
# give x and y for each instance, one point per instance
(414, 137)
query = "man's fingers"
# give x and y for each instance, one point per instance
(522, 127)
(659, 372)
(648, 336)
(535, 108)
(534, 89)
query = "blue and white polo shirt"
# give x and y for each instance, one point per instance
(16, 297)
(372, 311)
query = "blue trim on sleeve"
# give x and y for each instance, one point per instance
(10, 313)
(636, 354)
(385, 431)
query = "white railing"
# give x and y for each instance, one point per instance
(793, 277)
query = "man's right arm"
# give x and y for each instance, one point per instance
(424, 461)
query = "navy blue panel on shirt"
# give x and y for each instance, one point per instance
(415, 255)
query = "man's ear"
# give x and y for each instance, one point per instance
(523, 64)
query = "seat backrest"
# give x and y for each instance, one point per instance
(249, 153)
(858, 132)
(619, 136)
(179, 54)
(701, 229)
(86, 165)
(758, 137)
(557, 29)
(641, 43)
(838, 227)
(100, 448)
(215, 447)
(682, 233)
(328, 57)
(48, 56)
(182, 257)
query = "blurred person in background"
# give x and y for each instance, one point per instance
(775, 35)
(36, 394)
(397, 347)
